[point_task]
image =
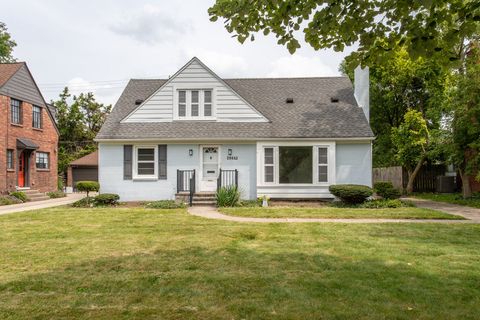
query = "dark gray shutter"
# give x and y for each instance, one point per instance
(162, 161)
(127, 162)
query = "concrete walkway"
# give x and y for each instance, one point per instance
(27, 206)
(473, 215)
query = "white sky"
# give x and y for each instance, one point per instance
(98, 45)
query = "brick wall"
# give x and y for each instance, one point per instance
(46, 138)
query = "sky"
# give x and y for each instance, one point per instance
(96, 46)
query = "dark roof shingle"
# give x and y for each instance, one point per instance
(312, 115)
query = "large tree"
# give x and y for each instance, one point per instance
(79, 118)
(6, 44)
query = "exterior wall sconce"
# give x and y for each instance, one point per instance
(229, 152)
(190, 152)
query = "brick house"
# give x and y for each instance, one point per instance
(28, 133)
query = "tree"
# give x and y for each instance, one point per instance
(396, 86)
(411, 140)
(78, 123)
(424, 28)
(6, 45)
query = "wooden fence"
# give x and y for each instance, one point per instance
(425, 181)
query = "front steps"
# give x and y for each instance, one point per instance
(199, 198)
(35, 195)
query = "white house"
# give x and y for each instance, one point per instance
(280, 137)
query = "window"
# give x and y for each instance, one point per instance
(322, 164)
(10, 162)
(41, 160)
(182, 103)
(207, 103)
(194, 104)
(295, 164)
(145, 162)
(37, 117)
(15, 111)
(269, 165)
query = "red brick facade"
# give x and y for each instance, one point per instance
(46, 138)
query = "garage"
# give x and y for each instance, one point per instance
(82, 169)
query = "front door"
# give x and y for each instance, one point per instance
(21, 169)
(209, 168)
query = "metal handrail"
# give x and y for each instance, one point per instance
(227, 178)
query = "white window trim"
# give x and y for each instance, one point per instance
(135, 175)
(331, 174)
(201, 102)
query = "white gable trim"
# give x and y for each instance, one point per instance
(168, 82)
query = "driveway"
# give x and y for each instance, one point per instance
(27, 206)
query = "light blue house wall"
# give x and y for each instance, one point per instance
(354, 163)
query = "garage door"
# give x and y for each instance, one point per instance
(83, 174)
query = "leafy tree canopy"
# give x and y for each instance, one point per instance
(6, 45)
(423, 27)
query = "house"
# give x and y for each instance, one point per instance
(82, 169)
(28, 133)
(279, 137)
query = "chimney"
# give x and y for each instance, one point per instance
(362, 89)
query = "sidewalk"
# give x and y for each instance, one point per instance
(464, 211)
(212, 213)
(27, 206)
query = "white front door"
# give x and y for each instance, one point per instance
(209, 168)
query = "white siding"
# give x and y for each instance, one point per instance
(354, 163)
(229, 106)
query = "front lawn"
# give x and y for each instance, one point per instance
(453, 198)
(128, 263)
(347, 213)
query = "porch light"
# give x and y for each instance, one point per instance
(229, 152)
(190, 152)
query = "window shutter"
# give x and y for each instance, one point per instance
(127, 162)
(162, 161)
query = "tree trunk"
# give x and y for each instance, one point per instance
(466, 188)
(413, 175)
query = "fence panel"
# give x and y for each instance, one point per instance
(392, 174)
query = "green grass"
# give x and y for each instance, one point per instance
(348, 213)
(129, 263)
(453, 198)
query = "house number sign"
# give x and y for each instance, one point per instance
(232, 157)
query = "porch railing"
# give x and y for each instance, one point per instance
(227, 178)
(186, 183)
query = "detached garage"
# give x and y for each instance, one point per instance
(85, 168)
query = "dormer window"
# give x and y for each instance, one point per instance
(195, 104)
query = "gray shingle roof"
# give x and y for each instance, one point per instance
(312, 115)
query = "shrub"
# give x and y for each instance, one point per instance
(87, 186)
(386, 190)
(227, 196)
(7, 200)
(56, 194)
(351, 193)
(83, 203)
(106, 199)
(19, 195)
(165, 204)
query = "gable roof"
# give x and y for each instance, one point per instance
(90, 159)
(312, 115)
(13, 79)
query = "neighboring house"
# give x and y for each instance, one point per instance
(279, 137)
(28, 133)
(82, 169)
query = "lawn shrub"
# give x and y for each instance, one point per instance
(106, 199)
(20, 195)
(227, 196)
(56, 194)
(88, 186)
(83, 203)
(351, 193)
(386, 190)
(7, 200)
(165, 204)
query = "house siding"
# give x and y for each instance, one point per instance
(354, 163)
(21, 87)
(228, 105)
(111, 171)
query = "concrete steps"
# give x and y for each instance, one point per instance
(199, 198)
(35, 195)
